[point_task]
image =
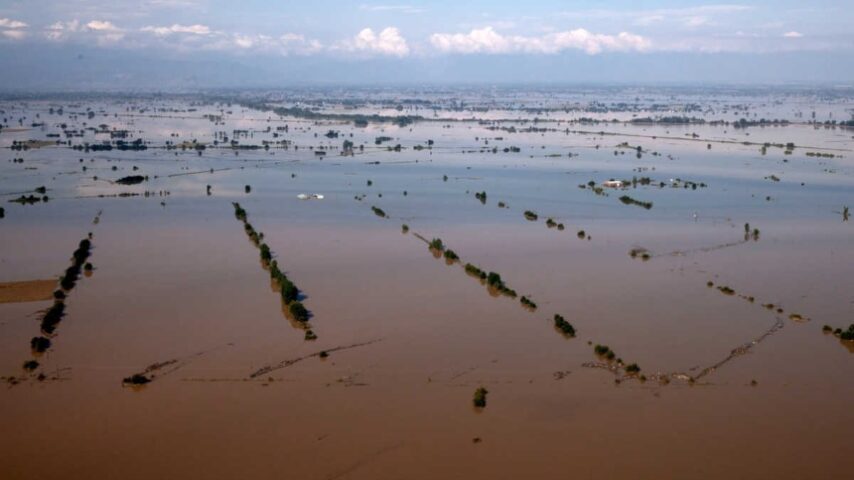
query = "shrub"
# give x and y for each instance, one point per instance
(31, 365)
(136, 379)
(530, 216)
(239, 212)
(40, 344)
(474, 270)
(310, 335)
(527, 302)
(290, 292)
(266, 255)
(627, 200)
(632, 368)
(378, 212)
(479, 399)
(565, 327)
(298, 311)
(404, 228)
(436, 244)
(451, 256)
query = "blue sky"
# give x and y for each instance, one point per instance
(397, 38)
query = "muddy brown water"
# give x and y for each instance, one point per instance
(180, 281)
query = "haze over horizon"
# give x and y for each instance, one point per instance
(181, 44)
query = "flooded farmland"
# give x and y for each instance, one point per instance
(428, 283)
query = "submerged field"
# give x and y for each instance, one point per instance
(474, 301)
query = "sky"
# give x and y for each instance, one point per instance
(214, 43)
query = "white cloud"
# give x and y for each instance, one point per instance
(487, 40)
(176, 28)
(247, 41)
(392, 8)
(388, 42)
(60, 30)
(298, 44)
(13, 24)
(14, 34)
(793, 34)
(696, 21)
(101, 26)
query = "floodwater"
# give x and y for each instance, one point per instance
(177, 291)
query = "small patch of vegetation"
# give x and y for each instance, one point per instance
(437, 245)
(847, 335)
(632, 368)
(565, 327)
(40, 344)
(481, 196)
(404, 228)
(136, 379)
(530, 216)
(451, 256)
(479, 399)
(30, 365)
(475, 271)
(378, 212)
(627, 200)
(298, 311)
(493, 280)
(726, 290)
(604, 351)
(528, 303)
(131, 180)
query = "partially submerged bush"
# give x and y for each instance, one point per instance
(632, 368)
(378, 212)
(266, 255)
(627, 200)
(528, 303)
(479, 399)
(565, 327)
(436, 244)
(136, 379)
(530, 216)
(298, 311)
(40, 344)
(474, 270)
(604, 351)
(451, 256)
